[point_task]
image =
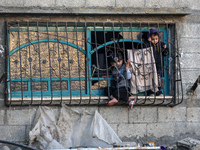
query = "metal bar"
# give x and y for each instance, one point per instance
(69, 84)
(88, 62)
(59, 60)
(39, 62)
(143, 65)
(161, 58)
(20, 64)
(78, 61)
(104, 34)
(97, 59)
(30, 60)
(50, 68)
(115, 52)
(7, 64)
(152, 65)
(133, 49)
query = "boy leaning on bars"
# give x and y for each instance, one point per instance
(121, 74)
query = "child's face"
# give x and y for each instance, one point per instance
(119, 63)
(154, 39)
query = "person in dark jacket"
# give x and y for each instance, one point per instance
(159, 50)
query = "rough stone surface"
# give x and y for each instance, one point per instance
(192, 43)
(160, 129)
(114, 114)
(2, 115)
(39, 3)
(167, 114)
(142, 115)
(20, 116)
(12, 133)
(190, 58)
(74, 3)
(159, 4)
(189, 75)
(184, 128)
(182, 3)
(132, 130)
(193, 114)
(14, 3)
(189, 30)
(100, 3)
(129, 3)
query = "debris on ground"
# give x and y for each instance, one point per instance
(188, 144)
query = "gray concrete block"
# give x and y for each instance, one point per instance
(167, 114)
(193, 114)
(132, 130)
(2, 115)
(189, 75)
(12, 133)
(188, 30)
(189, 45)
(130, 3)
(182, 128)
(182, 3)
(194, 4)
(13, 3)
(100, 3)
(143, 114)
(159, 4)
(190, 60)
(68, 3)
(160, 129)
(20, 116)
(39, 3)
(114, 114)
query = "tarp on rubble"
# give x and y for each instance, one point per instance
(71, 129)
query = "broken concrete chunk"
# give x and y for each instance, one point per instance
(188, 144)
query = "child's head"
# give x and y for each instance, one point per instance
(154, 34)
(117, 61)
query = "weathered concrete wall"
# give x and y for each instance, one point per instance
(142, 124)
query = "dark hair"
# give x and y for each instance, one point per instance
(113, 58)
(154, 34)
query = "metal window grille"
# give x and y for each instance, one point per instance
(51, 63)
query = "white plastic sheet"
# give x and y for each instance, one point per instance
(71, 129)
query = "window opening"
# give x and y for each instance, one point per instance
(54, 63)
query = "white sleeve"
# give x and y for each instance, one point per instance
(128, 74)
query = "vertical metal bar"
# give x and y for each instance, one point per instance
(8, 81)
(30, 61)
(50, 68)
(115, 52)
(97, 59)
(143, 67)
(78, 62)
(88, 62)
(124, 51)
(133, 49)
(162, 65)
(38, 38)
(152, 65)
(59, 60)
(67, 38)
(104, 35)
(20, 64)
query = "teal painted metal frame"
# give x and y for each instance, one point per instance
(88, 54)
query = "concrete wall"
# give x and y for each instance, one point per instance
(142, 124)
